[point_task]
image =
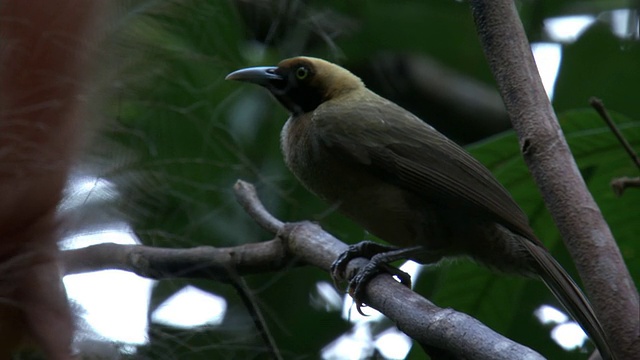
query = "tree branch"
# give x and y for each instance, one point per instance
(303, 243)
(619, 185)
(549, 159)
(163, 263)
(598, 105)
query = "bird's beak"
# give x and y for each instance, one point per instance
(258, 75)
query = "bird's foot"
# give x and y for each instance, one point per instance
(365, 249)
(380, 256)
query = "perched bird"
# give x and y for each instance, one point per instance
(404, 182)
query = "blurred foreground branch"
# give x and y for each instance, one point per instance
(303, 243)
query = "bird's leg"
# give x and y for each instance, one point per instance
(380, 256)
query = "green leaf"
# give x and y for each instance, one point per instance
(504, 303)
(602, 65)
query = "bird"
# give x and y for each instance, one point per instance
(405, 183)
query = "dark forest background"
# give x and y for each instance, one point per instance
(175, 136)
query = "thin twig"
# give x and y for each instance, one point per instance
(258, 319)
(598, 105)
(248, 198)
(619, 185)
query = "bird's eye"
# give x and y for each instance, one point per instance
(302, 73)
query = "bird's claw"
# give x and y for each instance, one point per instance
(339, 266)
(358, 284)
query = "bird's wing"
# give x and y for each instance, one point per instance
(401, 149)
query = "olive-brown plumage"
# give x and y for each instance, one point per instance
(403, 181)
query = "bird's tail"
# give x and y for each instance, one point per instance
(571, 297)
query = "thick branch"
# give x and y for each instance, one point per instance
(545, 150)
(304, 243)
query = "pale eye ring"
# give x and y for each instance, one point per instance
(302, 73)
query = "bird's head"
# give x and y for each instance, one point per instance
(301, 84)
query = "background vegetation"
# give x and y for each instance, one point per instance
(177, 136)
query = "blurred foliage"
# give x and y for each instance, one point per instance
(178, 136)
